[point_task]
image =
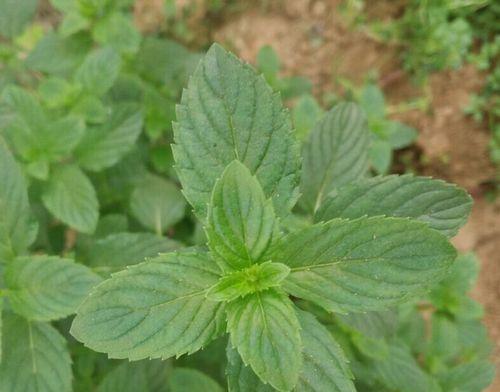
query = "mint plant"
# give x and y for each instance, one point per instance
(267, 285)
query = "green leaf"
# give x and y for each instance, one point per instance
(184, 379)
(364, 264)
(400, 135)
(468, 377)
(381, 155)
(157, 203)
(241, 222)
(70, 196)
(105, 145)
(372, 101)
(99, 71)
(241, 378)
(444, 207)
(258, 277)
(155, 309)
(325, 367)
(265, 331)
(306, 113)
(57, 92)
(227, 113)
(56, 55)
(116, 251)
(268, 62)
(117, 31)
(15, 15)
(35, 357)
(143, 376)
(47, 288)
(17, 229)
(335, 154)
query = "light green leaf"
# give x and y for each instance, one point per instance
(325, 367)
(35, 357)
(155, 309)
(157, 203)
(141, 376)
(400, 135)
(265, 331)
(241, 222)
(364, 264)
(17, 229)
(256, 278)
(1, 324)
(99, 71)
(227, 113)
(105, 145)
(57, 55)
(335, 154)
(117, 31)
(372, 101)
(268, 62)
(444, 207)
(70, 196)
(381, 155)
(241, 378)
(15, 15)
(47, 288)
(468, 377)
(184, 379)
(306, 113)
(56, 92)
(113, 253)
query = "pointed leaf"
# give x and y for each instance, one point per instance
(70, 197)
(115, 252)
(47, 288)
(335, 154)
(99, 71)
(35, 357)
(365, 264)
(17, 230)
(105, 145)
(227, 113)
(443, 206)
(241, 378)
(155, 309)
(265, 331)
(157, 203)
(241, 222)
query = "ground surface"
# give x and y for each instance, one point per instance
(313, 40)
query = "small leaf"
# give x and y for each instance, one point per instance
(156, 309)
(268, 62)
(47, 288)
(70, 197)
(227, 113)
(364, 264)
(157, 203)
(372, 101)
(265, 331)
(117, 31)
(258, 277)
(400, 135)
(306, 113)
(35, 357)
(335, 154)
(105, 145)
(324, 366)
(113, 253)
(381, 155)
(444, 207)
(99, 71)
(17, 229)
(15, 15)
(241, 222)
(184, 379)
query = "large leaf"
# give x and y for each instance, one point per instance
(325, 367)
(444, 207)
(265, 331)
(157, 203)
(227, 113)
(17, 230)
(143, 376)
(47, 287)
(184, 379)
(35, 357)
(241, 222)
(105, 145)
(70, 197)
(116, 251)
(364, 264)
(99, 71)
(155, 309)
(15, 15)
(335, 154)
(241, 378)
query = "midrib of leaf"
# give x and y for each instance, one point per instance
(170, 301)
(32, 351)
(158, 221)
